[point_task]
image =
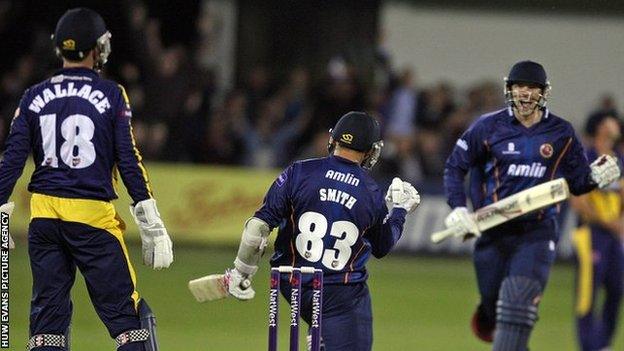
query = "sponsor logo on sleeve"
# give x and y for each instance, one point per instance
(281, 179)
(462, 144)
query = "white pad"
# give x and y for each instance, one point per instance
(252, 245)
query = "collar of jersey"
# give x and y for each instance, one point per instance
(512, 119)
(76, 71)
(342, 159)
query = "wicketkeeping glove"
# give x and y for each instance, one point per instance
(461, 219)
(403, 195)
(8, 209)
(605, 170)
(156, 244)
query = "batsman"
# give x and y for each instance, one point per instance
(332, 216)
(505, 152)
(77, 126)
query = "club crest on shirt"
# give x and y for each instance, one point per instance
(546, 150)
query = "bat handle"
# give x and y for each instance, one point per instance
(440, 236)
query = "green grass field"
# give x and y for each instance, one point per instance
(419, 304)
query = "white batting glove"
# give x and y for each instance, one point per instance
(605, 170)
(8, 209)
(403, 195)
(461, 219)
(239, 285)
(156, 244)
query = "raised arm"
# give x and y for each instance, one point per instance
(387, 231)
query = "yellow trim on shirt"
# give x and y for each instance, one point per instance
(581, 238)
(135, 149)
(124, 95)
(606, 204)
(139, 158)
(95, 213)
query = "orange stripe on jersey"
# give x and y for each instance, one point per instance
(355, 257)
(346, 279)
(292, 247)
(497, 178)
(565, 150)
(496, 174)
(552, 175)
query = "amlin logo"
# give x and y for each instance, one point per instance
(534, 170)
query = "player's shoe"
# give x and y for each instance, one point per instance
(481, 327)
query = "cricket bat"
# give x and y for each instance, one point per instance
(513, 206)
(213, 287)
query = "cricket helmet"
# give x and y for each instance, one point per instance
(358, 131)
(528, 72)
(80, 30)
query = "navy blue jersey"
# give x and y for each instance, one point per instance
(331, 215)
(78, 128)
(505, 157)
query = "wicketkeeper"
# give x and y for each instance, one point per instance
(77, 126)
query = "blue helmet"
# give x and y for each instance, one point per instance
(80, 30)
(528, 72)
(358, 131)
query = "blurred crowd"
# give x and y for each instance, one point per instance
(183, 114)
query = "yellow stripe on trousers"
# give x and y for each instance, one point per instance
(581, 238)
(95, 213)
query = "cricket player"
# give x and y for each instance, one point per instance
(77, 126)
(598, 244)
(505, 152)
(331, 215)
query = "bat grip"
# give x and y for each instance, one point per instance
(440, 236)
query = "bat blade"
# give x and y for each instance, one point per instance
(526, 201)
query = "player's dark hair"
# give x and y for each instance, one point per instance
(596, 119)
